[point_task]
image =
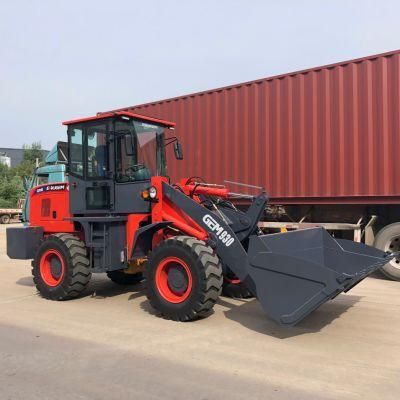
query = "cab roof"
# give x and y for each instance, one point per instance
(122, 114)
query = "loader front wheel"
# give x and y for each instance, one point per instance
(183, 278)
(60, 268)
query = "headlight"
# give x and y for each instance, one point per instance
(152, 192)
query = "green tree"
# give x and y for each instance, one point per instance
(11, 187)
(25, 169)
(4, 171)
(11, 190)
(32, 155)
(4, 174)
(33, 152)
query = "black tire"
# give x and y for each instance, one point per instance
(69, 252)
(236, 290)
(388, 239)
(205, 272)
(121, 278)
(5, 219)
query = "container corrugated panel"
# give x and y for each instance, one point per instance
(328, 134)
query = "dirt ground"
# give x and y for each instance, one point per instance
(109, 345)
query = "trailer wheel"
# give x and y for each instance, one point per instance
(60, 268)
(5, 219)
(121, 278)
(183, 278)
(388, 239)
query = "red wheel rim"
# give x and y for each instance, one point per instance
(174, 280)
(52, 267)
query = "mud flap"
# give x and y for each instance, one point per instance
(295, 272)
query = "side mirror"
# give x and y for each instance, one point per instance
(178, 150)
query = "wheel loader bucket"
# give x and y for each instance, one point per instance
(295, 272)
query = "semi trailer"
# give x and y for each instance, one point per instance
(324, 141)
(9, 214)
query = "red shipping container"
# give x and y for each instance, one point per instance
(324, 135)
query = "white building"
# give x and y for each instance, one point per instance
(4, 159)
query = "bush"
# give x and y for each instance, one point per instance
(6, 204)
(11, 190)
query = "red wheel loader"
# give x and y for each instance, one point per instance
(119, 213)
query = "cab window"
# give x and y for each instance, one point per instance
(76, 150)
(138, 150)
(97, 152)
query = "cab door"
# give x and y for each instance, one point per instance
(130, 180)
(91, 184)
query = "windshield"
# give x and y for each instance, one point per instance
(140, 150)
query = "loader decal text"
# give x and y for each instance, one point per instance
(51, 188)
(220, 232)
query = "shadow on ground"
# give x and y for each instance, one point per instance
(379, 275)
(25, 281)
(250, 314)
(101, 287)
(245, 312)
(146, 306)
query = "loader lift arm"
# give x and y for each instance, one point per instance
(231, 253)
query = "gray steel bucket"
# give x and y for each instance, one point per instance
(295, 272)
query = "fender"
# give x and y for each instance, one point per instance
(142, 242)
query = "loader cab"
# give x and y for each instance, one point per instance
(111, 159)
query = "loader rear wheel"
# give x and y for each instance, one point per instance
(60, 268)
(121, 278)
(183, 278)
(388, 239)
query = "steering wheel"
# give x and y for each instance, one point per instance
(131, 171)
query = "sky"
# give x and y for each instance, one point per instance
(62, 60)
